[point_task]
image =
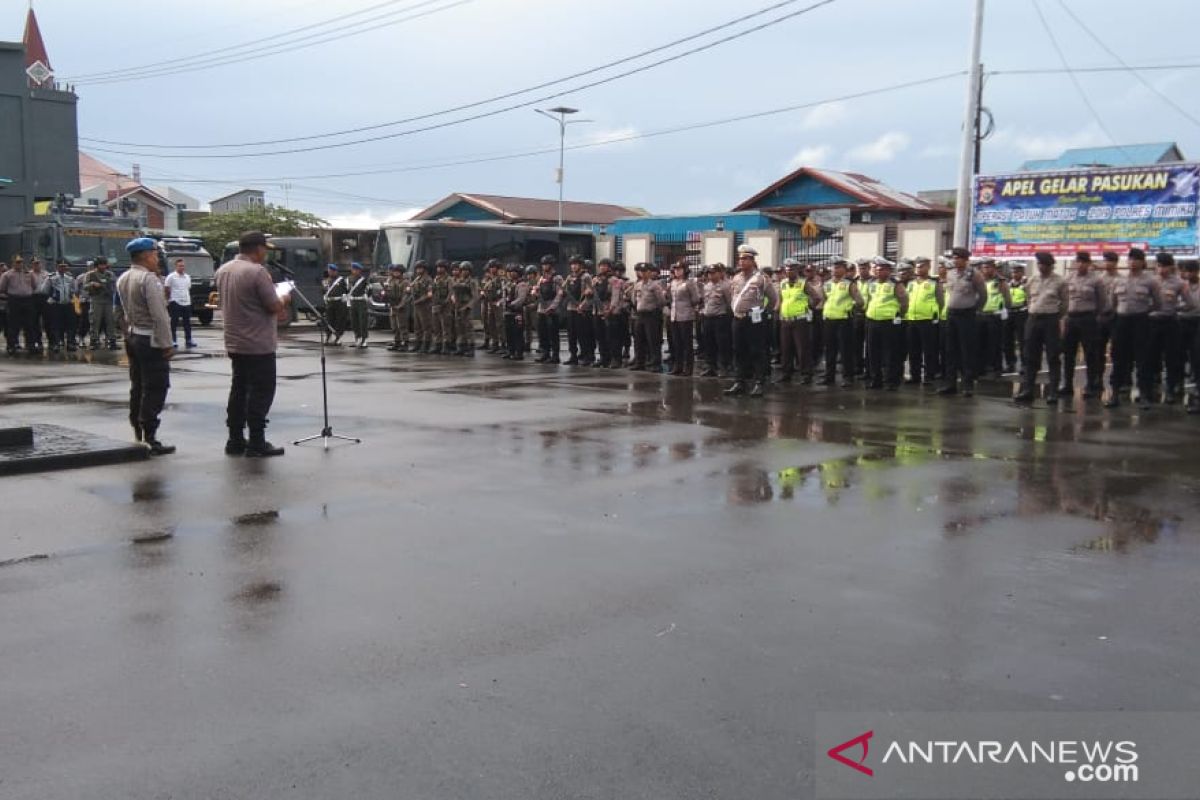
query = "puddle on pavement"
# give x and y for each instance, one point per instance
(257, 518)
(259, 592)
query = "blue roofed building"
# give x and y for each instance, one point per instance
(810, 191)
(1123, 155)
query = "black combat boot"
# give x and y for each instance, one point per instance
(156, 447)
(236, 444)
(259, 447)
(737, 388)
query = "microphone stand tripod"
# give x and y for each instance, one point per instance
(323, 326)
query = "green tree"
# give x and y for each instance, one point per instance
(219, 230)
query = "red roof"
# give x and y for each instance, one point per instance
(529, 209)
(35, 48)
(870, 192)
(93, 172)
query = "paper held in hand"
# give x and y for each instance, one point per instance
(284, 288)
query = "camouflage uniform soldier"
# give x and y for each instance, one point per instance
(514, 300)
(398, 292)
(531, 301)
(100, 285)
(422, 303)
(443, 318)
(549, 291)
(491, 290)
(463, 292)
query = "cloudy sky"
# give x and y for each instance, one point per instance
(174, 74)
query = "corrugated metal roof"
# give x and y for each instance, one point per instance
(529, 208)
(870, 192)
(1126, 155)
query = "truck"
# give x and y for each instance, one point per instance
(78, 235)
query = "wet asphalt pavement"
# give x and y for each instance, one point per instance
(546, 582)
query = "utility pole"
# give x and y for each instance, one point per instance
(561, 119)
(962, 205)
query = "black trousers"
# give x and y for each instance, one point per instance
(795, 347)
(960, 345)
(586, 334)
(548, 335)
(600, 334)
(149, 380)
(251, 393)
(840, 341)
(581, 343)
(1104, 335)
(990, 329)
(60, 324)
(1041, 335)
(1082, 331)
(1131, 345)
(85, 321)
(860, 344)
(514, 336)
(1014, 336)
(682, 350)
(647, 339)
(886, 361)
(20, 322)
(41, 321)
(1189, 332)
(1165, 350)
(750, 349)
(817, 334)
(922, 348)
(180, 314)
(618, 337)
(717, 339)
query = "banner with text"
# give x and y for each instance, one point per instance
(1152, 207)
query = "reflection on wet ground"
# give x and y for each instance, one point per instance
(920, 451)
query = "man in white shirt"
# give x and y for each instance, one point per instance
(179, 297)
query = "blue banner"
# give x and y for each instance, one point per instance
(1153, 207)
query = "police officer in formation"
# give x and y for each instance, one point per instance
(925, 298)
(976, 316)
(398, 294)
(337, 312)
(1086, 299)
(798, 299)
(752, 295)
(716, 324)
(577, 296)
(358, 299)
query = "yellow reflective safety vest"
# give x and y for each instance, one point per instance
(1019, 298)
(838, 300)
(793, 300)
(995, 300)
(922, 300)
(883, 305)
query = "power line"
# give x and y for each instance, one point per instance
(1133, 72)
(1074, 78)
(467, 106)
(471, 160)
(311, 40)
(505, 109)
(1079, 70)
(153, 65)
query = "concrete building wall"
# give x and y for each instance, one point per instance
(38, 141)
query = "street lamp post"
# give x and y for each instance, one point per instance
(563, 122)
